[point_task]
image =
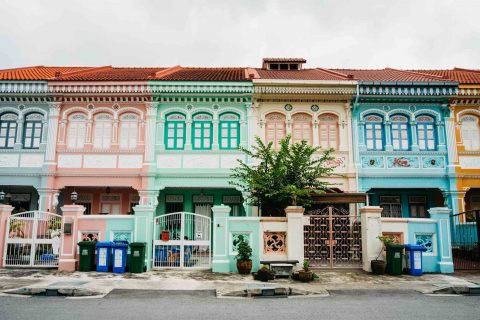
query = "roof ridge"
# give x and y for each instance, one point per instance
(418, 73)
(346, 76)
(23, 68)
(82, 71)
(464, 69)
(166, 72)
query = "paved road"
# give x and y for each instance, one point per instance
(138, 305)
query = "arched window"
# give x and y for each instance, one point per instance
(328, 130)
(32, 132)
(202, 131)
(128, 131)
(102, 133)
(8, 130)
(470, 132)
(175, 131)
(275, 129)
(400, 132)
(374, 132)
(302, 128)
(229, 131)
(76, 131)
(426, 133)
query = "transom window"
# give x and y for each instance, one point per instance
(8, 130)
(128, 131)
(418, 206)
(302, 128)
(202, 131)
(32, 132)
(400, 132)
(328, 130)
(102, 131)
(275, 129)
(175, 131)
(229, 131)
(374, 132)
(76, 131)
(426, 133)
(470, 132)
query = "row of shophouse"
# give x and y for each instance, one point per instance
(137, 144)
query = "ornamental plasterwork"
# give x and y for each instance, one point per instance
(304, 90)
(203, 117)
(95, 88)
(23, 88)
(424, 119)
(373, 118)
(275, 116)
(402, 162)
(9, 116)
(274, 243)
(34, 117)
(302, 117)
(229, 117)
(198, 88)
(469, 91)
(407, 91)
(398, 118)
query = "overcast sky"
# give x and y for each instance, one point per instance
(337, 33)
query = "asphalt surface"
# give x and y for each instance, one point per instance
(149, 304)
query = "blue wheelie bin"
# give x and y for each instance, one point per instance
(413, 256)
(119, 249)
(104, 250)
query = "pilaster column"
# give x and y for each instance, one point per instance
(68, 252)
(413, 130)
(360, 134)
(295, 241)
(144, 226)
(450, 137)
(349, 142)
(161, 134)
(371, 230)
(88, 138)
(220, 260)
(19, 134)
(388, 136)
(48, 199)
(151, 108)
(243, 133)
(188, 134)
(444, 245)
(215, 145)
(115, 133)
(5, 212)
(53, 113)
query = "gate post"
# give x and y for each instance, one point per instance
(5, 212)
(371, 229)
(144, 226)
(220, 261)
(68, 251)
(295, 234)
(444, 239)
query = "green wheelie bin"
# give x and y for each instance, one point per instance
(137, 257)
(87, 255)
(395, 259)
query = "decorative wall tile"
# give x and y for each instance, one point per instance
(397, 236)
(425, 240)
(274, 243)
(122, 235)
(402, 162)
(236, 240)
(433, 162)
(89, 236)
(373, 162)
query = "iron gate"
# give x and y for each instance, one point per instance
(32, 239)
(333, 239)
(182, 240)
(465, 245)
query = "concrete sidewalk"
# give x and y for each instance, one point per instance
(103, 283)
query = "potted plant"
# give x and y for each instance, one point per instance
(264, 274)
(305, 274)
(244, 253)
(378, 266)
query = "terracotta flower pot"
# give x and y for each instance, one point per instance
(244, 266)
(305, 276)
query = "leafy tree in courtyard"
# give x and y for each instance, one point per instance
(277, 179)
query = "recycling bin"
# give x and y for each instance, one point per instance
(137, 257)
(104, 250)
(87, 255)
(119, 249)
(394, 259)
(413, 257)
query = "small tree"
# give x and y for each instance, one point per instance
(289, 176)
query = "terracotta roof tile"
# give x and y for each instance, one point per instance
(460, 75)
(111, 74)
(35, 73)
(391, 75)
(205, 74)
(304, 74)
